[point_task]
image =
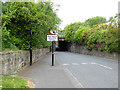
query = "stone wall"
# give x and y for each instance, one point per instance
(77, 48)
(15, 61)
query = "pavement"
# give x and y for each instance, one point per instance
(44, 75)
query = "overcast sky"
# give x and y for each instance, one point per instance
(79, 10)
(71, 11)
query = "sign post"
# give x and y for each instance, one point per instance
(52, 53)
(30, 47)
(52, 38)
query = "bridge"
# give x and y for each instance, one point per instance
(62, 44)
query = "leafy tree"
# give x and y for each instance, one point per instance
(71, 29)
(95, 20)
(110, 18)
(19, 17)
(78, 34)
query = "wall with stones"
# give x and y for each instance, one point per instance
(12, 62)
(77, 48)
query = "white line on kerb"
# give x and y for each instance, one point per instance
(102, 65)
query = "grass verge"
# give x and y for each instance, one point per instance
(13, 82)
(0, 83)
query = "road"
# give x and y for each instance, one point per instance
(72, 70)
(89, 71)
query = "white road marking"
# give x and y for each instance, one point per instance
(73, 79)
(93, 63)
(75, 63)
(84, 63)
(104, 66)
(101, 65)
(65, 64)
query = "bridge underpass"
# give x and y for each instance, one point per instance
(62, 45)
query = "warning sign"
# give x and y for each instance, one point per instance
(52, 38)
(53, 32)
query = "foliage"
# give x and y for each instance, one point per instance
(61, 33)
(70, 31)
(100, 36)
(6, 40)
(112, 39)
(19, 17)
(13, 82)
(78, 34)
(96, 38)
(95, 20)
(0, 83)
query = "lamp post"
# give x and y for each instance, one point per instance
(30, 47)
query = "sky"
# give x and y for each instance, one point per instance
(71, 11)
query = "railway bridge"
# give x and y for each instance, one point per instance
(61, 44)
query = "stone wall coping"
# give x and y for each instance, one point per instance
(11, 52)
(19, 51)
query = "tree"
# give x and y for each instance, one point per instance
(95, 20)
(19, 17)
(71, 29)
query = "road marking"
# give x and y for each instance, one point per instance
(101, 65)
(84, 63)
(93, 63)
(104, 66)
(73, 79)
(65, 64)
(75, 63)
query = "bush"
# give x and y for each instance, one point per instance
(78, 34)
(100, 35)
(70, 31)
(95, 20)
(112, 39)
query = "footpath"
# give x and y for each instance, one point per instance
(44, 75)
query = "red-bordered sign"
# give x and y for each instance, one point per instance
(52, 32)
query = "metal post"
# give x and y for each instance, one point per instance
(30, 47)
(52, 53)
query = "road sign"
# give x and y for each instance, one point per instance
(61, 33)
(52, 38)
(53, 32)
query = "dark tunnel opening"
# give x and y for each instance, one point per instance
(62, 46)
